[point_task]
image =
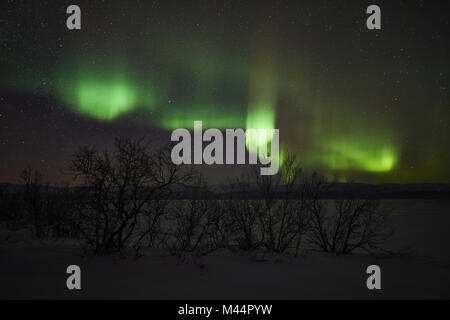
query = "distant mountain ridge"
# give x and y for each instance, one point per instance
(334, 190)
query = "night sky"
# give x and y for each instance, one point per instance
(356, 104)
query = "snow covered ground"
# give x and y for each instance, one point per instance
(37, 269)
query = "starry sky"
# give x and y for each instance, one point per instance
(355, 104)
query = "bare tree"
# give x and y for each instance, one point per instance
(150, 228)
(116, 206)
(316, 186)
(285, 219)
(33, 198)
(11, 208)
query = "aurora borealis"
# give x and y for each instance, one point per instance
(357, 105)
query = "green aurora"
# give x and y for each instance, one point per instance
(107, 97)
(363, 116)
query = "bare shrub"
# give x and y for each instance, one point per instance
(243, 218)
(353, 224)
(193, 225)
(58, 213)
(269, 213)
(42, 209)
